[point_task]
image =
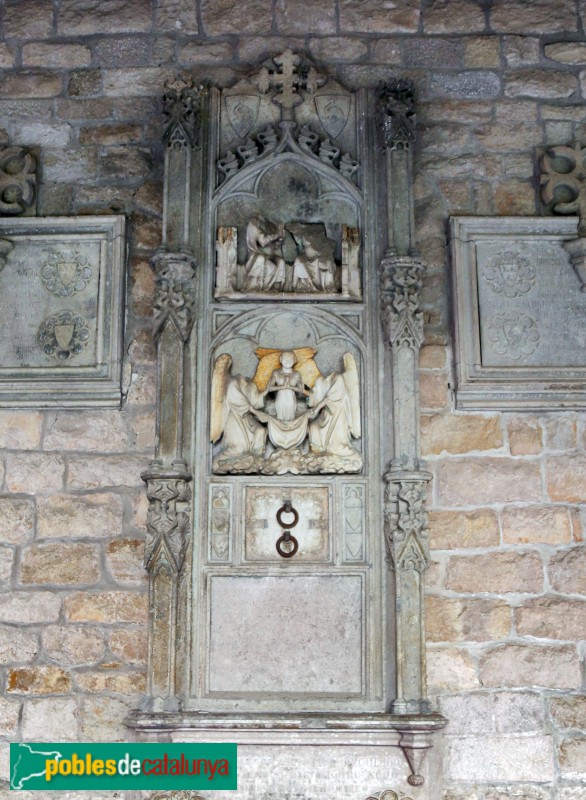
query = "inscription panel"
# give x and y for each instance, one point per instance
(519, 315)
(61, 288)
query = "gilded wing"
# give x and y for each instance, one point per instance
(269, 362)
(352, 384)
(220, 379)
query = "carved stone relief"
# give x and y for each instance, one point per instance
(18, 181)
(288, 417)
(354, 523)
(220, 522)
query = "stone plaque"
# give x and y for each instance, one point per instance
(307, 634)
(261, 529)
(520, 311)
(61, 290)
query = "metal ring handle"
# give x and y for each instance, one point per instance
(286, 537)
(287, 509)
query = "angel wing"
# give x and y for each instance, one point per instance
(352, 384)
(220, 379)
(269, 362)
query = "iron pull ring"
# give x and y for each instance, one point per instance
(287, 508)
(287, 538)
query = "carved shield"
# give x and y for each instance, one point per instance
(333, 111)
(242, 110)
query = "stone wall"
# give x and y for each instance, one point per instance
(82, 79)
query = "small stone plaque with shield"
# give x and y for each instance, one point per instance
(520, 308)
(61, 311)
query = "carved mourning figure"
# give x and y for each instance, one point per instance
(287, 258)
(288, 418)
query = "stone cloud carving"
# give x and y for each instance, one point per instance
(288, 417)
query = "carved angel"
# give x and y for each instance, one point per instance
(338, 395)
(233, 398)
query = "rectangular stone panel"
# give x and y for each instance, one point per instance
(519, 316)
(286, 635)
(61, 311)
(261, 528)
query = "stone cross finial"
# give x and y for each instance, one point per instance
(288, 80)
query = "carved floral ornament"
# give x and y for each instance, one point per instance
(181, 106)
(18, 180)
(397, 115)
(401, 312)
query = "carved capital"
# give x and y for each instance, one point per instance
(396, 107)
(181, 112)
(18, 181)
(401, 313)
(168, 518)
(405, 525)
(415, 747)
(175, 294)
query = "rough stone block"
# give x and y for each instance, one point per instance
(51, 719)
(450, 669)
(84, 17)
(566, 478)
(9, 717)
(124, 559)
(31, 84)
(137, 81)
(17, 518)
(17, 645)
(541, 16)
(536, 525)
(84, 83)
(75, 109)
(468, 713)
(499, 573)
(32, 473)
(540, 85)
(459, 434)
(20, 430)
(569, 711)
(566, 52)
(448, 620)
(41, 679)
(60, 564)
(148, 231)
(29, 607)
(467, 84)
(521, 665)
(385, 51)
(432, 356)
(95, 472)
(482, 51)
(86, 431)
(518, 712)
(572, 756)
(525, 436)
(28, 19)
(179, 16)
(41, 135)
(6, 56)
(205, 53)
(221, 17)
(6, 564)
(433, 390)
(551, 618)
(455, 530)
(372, 16)
(567, 571)
(104, 722)
(515, 197)
(428, 52)
(128, 683)
(126, 51)
(85, 516)
(453, 16)
(487, 481)
(130, 646)
(106, 607)
(69, 166)
(338, 48)
(55, 55)
(306, 16)
(500, 758)
(71, 645)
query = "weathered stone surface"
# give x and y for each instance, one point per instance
(82, 17)
(71, 645)
(104, 722)
(51, 719)
(42, 679)
(433, 390)
(143, 286)
(567, 571)
(338, 48)
(301, 16)
(82, 109)
(467, 83)
(540, 85)
(129, 683)
(459, 434)
(566, 52)
(500, 758)
(79, 516)
(137, 81)
(6, 564)
(17, 518)
(55, 55)
(515, 16)
(6, 56)
(29, 607)
(106, 607)
(520, 665)
(129, 646)
(86, 431)
(569, 711)
(450, 669)
(20, 430)
(536, 525)
(482, 51)
(95, 472)
(572, 756)
(449, 16)
(69, 166)
(515, 197)
(31, 84)
(148, 231)
(221, 17)
(39, 134)
(427, 52)
(385, 51)
(432, 356)
(32, 473)
(566, 478)
(372, 16)
(9, 716)
(518, 712)
(28, 19)
(486, 481)
(450, 620)
(572, 793)
(202, 53)
(500, 572)
(84, 83)
(454, 530)
(124, 559)
(17, 645)
(123, 51)
(551, 618)
(60, 564)
(177, 16)
(525, 436)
